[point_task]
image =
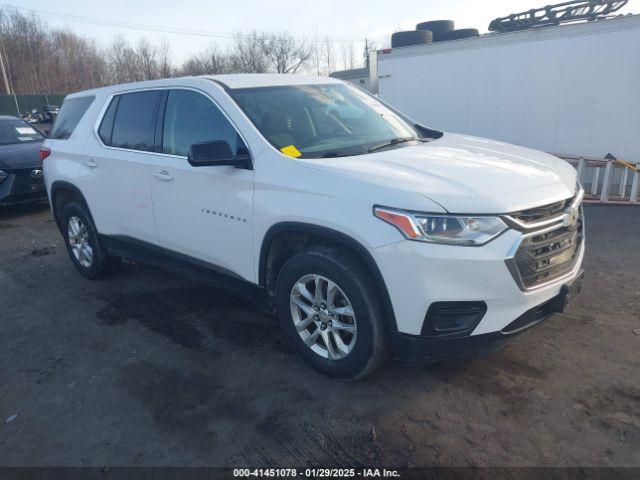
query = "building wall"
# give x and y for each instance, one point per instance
(571, 90)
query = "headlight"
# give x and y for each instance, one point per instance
(3, 175)
(445, 229)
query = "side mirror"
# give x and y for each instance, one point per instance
(215, 153)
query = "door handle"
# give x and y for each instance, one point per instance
(91, 163)
(163, 175)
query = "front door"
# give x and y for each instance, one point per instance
(203, 214)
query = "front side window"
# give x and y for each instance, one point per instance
(17, 131)
(134, 125)
(329, 120)
(70, 114)
(192, 118)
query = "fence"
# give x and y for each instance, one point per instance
(26, 103)
(608, 180)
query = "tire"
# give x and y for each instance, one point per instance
(459, 34)
(364, 342)
(411, 37)
(76, 218)
(437, 27)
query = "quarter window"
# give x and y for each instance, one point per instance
(192, 118)
(135, 121)
(70, 114)
(106, 126)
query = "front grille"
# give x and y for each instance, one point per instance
(540, 214)
(548, 254)
(24, 184)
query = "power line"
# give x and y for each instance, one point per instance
(154, 28)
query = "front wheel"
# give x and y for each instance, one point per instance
(330, 313)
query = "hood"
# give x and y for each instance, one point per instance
(463, 174)
(20, 155)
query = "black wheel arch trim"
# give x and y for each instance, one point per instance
(61, 184)
(339, 237)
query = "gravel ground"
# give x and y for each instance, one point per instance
(147, 368)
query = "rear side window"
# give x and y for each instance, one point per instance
(135, 121)
(70, 114)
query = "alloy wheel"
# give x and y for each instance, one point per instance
(323, 316)
(79, 241)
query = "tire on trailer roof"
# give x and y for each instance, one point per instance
(411, 37)
(459, 34)
(437, 27)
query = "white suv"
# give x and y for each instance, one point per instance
(368, 234)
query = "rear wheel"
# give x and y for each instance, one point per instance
(330, 313)
(83, 245)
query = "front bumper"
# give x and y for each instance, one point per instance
(421, 350)
(423, 274)
(21, 187)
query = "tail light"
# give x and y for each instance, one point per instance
(44, 153)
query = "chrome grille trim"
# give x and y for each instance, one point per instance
(550, 253)
(516, 219)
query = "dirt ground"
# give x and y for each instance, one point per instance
(147, 368)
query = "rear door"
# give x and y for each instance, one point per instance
(122, 159)
(203, 214)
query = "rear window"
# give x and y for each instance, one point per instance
(70, 114)
(134, 125)
(16, 131)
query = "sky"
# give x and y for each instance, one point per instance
(216, 20)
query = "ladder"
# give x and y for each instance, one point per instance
(607, 180)
(551, 15)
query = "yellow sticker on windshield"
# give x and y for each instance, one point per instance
(291, 151)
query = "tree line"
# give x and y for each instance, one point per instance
(40, 59)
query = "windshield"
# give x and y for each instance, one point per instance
(16, 131)
(329, 120)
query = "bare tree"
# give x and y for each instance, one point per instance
(120, 58)
(39, 59)
(348, 55)
(247, 55)
(165, 67)
(284, 53)
(328, 56)
(211, 62)
(74, 63)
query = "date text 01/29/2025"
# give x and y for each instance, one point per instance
(315, 473)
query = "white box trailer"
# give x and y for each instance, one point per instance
(572, 90)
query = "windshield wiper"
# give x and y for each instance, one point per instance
(393, 141)
(335, 154)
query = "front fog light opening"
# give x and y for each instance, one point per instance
(453, 318)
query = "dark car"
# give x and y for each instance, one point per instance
(20, 165)
(49, 113)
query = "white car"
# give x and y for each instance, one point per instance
(369, 235)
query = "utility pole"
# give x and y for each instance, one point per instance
(4, 75)
(7, 85)
(366, 53)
